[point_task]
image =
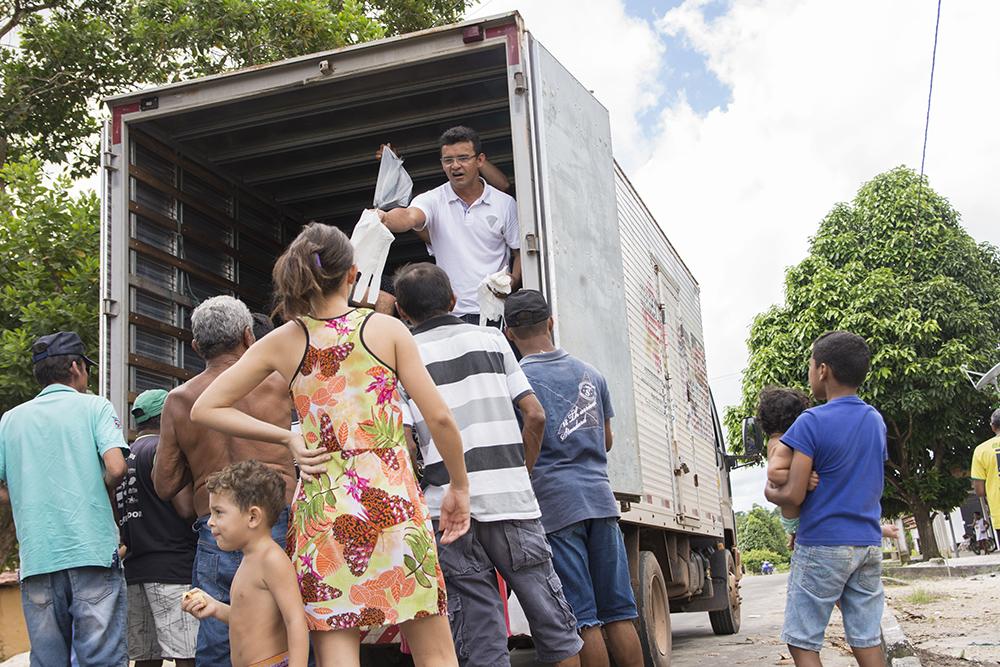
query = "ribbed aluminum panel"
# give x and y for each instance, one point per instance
(677, 454)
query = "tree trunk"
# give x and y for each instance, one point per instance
(928, 545)
(8, 538)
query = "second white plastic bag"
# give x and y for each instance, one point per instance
(394, 186)
(371, 241)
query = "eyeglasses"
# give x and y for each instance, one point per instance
(460, 159)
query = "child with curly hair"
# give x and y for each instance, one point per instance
(777, 409)
(267, 625)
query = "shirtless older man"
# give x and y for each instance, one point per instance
(223, 330)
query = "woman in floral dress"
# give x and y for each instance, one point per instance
(359, 533)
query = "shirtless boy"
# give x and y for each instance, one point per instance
(267, 622)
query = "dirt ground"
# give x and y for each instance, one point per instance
(952, 622)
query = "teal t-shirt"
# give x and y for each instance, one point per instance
(50, 459)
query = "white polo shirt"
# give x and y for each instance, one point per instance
(469, 243)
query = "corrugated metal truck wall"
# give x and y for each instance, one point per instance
(192, 235)
(676, 440)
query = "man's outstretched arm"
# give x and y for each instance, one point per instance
(400, 220)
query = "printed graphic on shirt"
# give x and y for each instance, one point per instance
(127, 495)
(583, 414)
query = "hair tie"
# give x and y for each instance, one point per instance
(319, 264)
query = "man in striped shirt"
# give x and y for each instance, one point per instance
(478, 376)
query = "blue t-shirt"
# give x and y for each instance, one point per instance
(846, 440)
(50, 459)
(570, 477)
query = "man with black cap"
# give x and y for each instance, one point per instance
(570, 479)
(61, 455)
(160, 550)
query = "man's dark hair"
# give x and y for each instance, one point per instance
(151, 424)
(995, 418)
(977, 514)
(530, 330)
(846, 354)
(458, 134)
(423, 291)
(262, 325)
(779, 407)
(55, 369)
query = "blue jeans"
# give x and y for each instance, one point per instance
(213, 573)
(80, 611)
(820, 576)
(589, 557)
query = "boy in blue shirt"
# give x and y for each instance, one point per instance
(570, 479)
(838, 553)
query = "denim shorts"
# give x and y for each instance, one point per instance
(822, 575)
(589, 557)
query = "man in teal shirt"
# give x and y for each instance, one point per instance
(61, 453)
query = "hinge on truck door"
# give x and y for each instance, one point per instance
(531, 243)
(109, 307)
(520, 87)
(108, 161)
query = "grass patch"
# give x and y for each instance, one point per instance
(922, 596)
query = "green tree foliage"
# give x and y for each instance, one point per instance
(896, 267)
(69, 54)
(49, 274)
(198, 37)
(66, 56)
(761, 529)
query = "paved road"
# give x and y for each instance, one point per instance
(757, 642)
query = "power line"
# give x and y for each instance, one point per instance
(927, 117)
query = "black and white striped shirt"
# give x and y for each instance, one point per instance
(481, 381)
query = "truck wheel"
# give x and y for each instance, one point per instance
(654, 612)
(727, 621)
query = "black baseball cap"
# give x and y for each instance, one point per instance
(58, 345)
(525, 307)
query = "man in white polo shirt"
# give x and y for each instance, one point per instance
(471, 227)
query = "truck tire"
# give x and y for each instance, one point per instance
(727, 621)
(654, 612)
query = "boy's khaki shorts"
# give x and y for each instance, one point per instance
(157, 628)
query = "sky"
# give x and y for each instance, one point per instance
(742, 123)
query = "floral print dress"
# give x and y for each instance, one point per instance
(360, 537)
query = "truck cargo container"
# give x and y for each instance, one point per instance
(207, 180)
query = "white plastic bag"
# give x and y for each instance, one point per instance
(394, 186)
(371, 241)
(490, 305)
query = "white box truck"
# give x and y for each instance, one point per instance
(207, 180)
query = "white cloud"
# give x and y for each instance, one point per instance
(824, 96)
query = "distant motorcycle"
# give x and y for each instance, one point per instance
(767, 567)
